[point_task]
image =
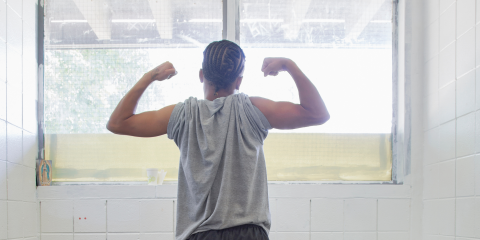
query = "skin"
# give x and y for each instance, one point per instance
(281, 115)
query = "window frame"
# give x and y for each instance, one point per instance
(401, 115)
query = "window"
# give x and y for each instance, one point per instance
(96, 50)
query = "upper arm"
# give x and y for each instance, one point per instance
(285, 115)
(146, 124)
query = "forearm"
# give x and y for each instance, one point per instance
(126, 107)
(310, 98)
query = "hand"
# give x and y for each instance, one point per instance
(162, 72)
(272, 66)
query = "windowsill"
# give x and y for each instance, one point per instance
(276, 190)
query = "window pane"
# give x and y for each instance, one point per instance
(95, 52)
(345, 48)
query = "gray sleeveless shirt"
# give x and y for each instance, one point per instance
(222, 177)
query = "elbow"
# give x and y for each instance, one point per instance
(321, 119)
(112, 127)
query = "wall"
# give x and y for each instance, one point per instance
(451, 194)
(299, 211)
(18, 91)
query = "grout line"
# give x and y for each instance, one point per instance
(310, 222)
(376, 225)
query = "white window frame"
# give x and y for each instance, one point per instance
(401, 117)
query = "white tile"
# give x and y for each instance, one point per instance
(439, 217)
(14, 73)
(477, 175)
(3, 98)
(14, 30)
(3, 180)
(90, 216)
(327, 215)
(465, 139)
(29, 219)
(293, 215)
(15, 219)
(478, 11)
(289, 236)
(32, 238)
(465, 96)
(446, 103)
(393, 236)
(447, 26)
(432, 40)
(446, 141)
(477, 88)
(437, 237)
(393, 214)
(175, 214)
(29, 185)
(477, 52)
(14, 105)
(432, 11)
(477, 217)
(123, 216)
(3, 140)
(447, 65)
(90, 236)
(156, 215)
(3, 219)
(360, 215)
(465, 16)
(439, 180)
(156, 236)
(465, 217)
(465, 176)
(326, 236)
(15, 184)
(360, 236)
(272, 202)
(16, 5)
(123, 236)
(29, 149)
(445, 4)
(57, 216)
(430, 117)
(443, 177)
(465, 53)
(431, 75)
(3, 21)
(29, 14)
(14, 144)
(51, 236)
(430, 146)
(30, 115)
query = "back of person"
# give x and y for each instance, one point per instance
(222, 178)
(222, 181)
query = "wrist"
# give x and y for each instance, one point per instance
(288, 65)
(147, 77)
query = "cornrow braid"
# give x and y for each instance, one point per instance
(223, 62)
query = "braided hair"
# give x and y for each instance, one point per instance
(223, 62)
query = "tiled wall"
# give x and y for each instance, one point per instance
(452, 120)
(18, 91)
(147, 212)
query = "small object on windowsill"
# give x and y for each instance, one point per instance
(155, 177)
(44, 172)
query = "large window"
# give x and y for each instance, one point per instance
(96, 50)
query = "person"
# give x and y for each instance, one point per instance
(222, 178)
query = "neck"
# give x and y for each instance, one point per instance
(210, 93)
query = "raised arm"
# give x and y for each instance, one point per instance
(147, 124)
(286, 115)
